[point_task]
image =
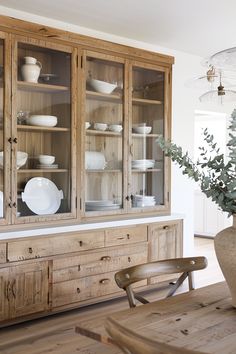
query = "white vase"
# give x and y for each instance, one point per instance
(30, 71)
(225, 248)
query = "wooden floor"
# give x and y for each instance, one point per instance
(55, 334)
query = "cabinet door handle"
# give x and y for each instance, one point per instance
(30, 250)
(15, 140)
(81, 243)
(128, 236)
(8, 290)
(166, 227)
(78, 290)
(13, 287)
(120, 238)
(106, 258)
(104, 281)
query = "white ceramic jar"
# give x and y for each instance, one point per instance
(31, 69)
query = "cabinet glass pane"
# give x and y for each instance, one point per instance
(2, 211)
(147, 162)
(43, 101)
(104, 136)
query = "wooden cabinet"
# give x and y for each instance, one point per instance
(46, 274)
(24, 290)
(125, 171)
(78, 124)
(165, 242)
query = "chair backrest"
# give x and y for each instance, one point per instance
(132, 343)
(126, 277)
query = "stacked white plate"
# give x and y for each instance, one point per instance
(141, 201)
(42, 166)
(143, 164)
(97, 205)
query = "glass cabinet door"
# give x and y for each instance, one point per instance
(147, 165)
(104, 135)
(5, 149)
(42, 120)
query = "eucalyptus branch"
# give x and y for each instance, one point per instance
(217, 178)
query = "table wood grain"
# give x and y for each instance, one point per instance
(202, 319)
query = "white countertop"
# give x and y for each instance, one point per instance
(88, 226)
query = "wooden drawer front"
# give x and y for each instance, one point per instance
(125, 235)
(108, 260)
(3, 252)
(29, 249)
(84, 289)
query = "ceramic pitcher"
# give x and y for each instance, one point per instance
(31, 69)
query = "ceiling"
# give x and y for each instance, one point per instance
(200, 27)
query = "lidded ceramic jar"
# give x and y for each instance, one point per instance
(30, 71)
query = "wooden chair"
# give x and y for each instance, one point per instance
(126, 277)
(132, 343)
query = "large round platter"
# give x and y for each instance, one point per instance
(42, 196)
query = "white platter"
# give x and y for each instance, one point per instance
(42, 196)
(1, 204)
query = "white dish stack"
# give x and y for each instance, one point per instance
(96, 205)
(142, 164)
(141, 201)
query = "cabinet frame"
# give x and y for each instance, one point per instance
(73, 87)
(116, 59)
(6, 127)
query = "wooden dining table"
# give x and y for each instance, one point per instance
(202, 319)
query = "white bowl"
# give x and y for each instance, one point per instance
(115, 128)
(21, 158)
(142, 130)
(46, 159)
(42, 120)
(101, 86)
(95, 160)
(100, 126)
(87, 125)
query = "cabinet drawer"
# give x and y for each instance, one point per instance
(28, 249)
(108, 260)
(3, 252)
(85, 288)
(125, 235)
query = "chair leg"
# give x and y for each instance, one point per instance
(191, 281)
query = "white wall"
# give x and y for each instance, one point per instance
(185, 101)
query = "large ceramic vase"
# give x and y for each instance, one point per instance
(225, 248)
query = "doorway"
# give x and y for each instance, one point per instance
(208, 219)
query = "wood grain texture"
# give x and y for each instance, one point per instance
(201, 320)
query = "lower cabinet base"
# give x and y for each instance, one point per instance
(45, 276)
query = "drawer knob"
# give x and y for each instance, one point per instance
(166, 227)
(128, 236)
(81, 243)
(79, 267)
(106, 258)
(104, 281)
(78, 290)
(30, 249)
(129, 259)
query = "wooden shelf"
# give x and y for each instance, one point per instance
(103, 133)
(104, 171)
(37, 128)
(47, 170)
(144, 101)
(103, 96)
(147, 170)
(31, 86)
(135, 135)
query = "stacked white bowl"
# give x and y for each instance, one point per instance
(141, 201)
(143, 164)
